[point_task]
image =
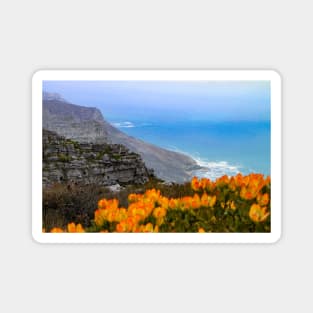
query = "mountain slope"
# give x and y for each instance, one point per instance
(86, 124)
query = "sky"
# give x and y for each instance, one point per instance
(169, 100)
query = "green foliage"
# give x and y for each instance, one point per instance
(64, 158)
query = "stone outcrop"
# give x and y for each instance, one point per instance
(68, 161)
(86, 124)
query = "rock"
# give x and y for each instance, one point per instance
(88, 163)
(115, 188)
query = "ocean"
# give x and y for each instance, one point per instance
(221, 147)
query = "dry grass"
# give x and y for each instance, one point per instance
(64, 203)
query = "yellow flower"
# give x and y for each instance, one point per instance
(148, 228)
(205, 200)
(99, 217)
(212, 201)
(258, 213)
(232, 205)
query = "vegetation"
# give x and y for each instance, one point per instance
(229, 204)
(64, 158)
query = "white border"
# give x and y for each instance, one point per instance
(176, 75)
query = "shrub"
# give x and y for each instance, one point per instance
(229, 204)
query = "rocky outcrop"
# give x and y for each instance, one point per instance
(73, 121)
(67, 161)
(86, 124)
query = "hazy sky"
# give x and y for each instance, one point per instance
(168, 100)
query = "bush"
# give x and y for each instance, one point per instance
(229, 204)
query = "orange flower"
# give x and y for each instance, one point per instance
(112, 204)
(173, 203)
(258, 213)
(163, 201)
(232, 184)
(152, 194)
(72, 228)
(208, 201)
(205, 183)
(186, 203)
(196, 202)
(56, 230)
(263, 199)
(239, 180)
(267, 181)
(195, 185)
(247, 194)
(102, 204)
(121, 227)
(201, 230)
(159, 212)
(99, 218)
(205, 200)
(79, 228)
(224, 180)
(134, 197)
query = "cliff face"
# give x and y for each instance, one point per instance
(65, 160)
(73, 121)
(88, 125)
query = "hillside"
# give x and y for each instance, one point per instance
(86, 124)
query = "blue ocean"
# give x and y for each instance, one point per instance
(221, 147)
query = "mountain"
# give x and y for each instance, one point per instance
(66, 160)
(86, 124)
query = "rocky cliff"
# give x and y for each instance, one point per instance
(66, 160)
(86, 124)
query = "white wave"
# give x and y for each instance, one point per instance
(124, 124)
(210, 169)
(216, 169)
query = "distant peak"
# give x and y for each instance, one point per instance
(52, 96)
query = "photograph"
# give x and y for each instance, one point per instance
(166, 154)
